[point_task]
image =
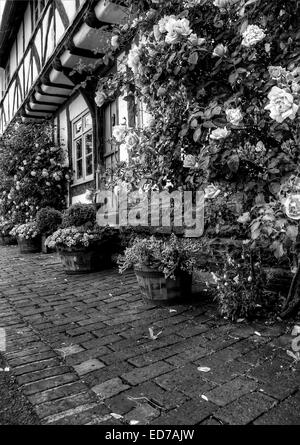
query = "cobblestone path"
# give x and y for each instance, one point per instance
(80, 351)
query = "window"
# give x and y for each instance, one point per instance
(83, 156)
(37, 7)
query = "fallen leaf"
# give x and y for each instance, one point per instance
(257, 333)
(239, 320)
(296, 330)
(203, 369)
(116, 416)
(204, 398)
(152, 336)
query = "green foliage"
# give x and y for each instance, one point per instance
(48, 220)
(221, 80)
(5, 226)
(168, 255)
(79, 215)
(241, 284)
(32, 174)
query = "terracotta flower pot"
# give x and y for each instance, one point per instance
(154, 286)
(29, 245)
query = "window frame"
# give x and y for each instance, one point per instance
(81, 135)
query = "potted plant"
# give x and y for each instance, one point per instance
(163, 266)
(48, 220)
(81, 249)
(28, 237)
(5, 228)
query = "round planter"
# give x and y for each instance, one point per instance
(76, 261)
(29, 245)
(7, 240)
(155, 287)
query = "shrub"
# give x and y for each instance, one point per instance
(241, 284)
(33, 174)
(166, 255)
(48, 220)
(79, 215)
(5, 227)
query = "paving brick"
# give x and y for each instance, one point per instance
(79, 415)
(146, 373)
(76, 359)
(245, 409)
(102, 319)
(47, 409)
(69, 350)
(88, 366)
(98, 342)
(42, 374)
(57, 393)
(143, 414)
(230, 391)
(187, 380)
(110, 388)
(32, 358)
(190, 413)
(286, 413)
(188, 356)
(52, 382)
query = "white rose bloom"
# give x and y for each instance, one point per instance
(252, 35)
(220, 50)
(281, 105)
(119, 132)
(234, 116)
(162, 23)
(133, 59)
(222, 4)
(219, 133)
(195, 40)
(114, 41)
(176, 29)
(100, 98)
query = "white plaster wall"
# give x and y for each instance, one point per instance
(77, 106)
(63, 134)
(27, 27)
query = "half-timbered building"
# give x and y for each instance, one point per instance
(41, 42)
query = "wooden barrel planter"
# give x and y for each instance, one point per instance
(76, 261)
(29, 245)
(155, 287)
(7, 240)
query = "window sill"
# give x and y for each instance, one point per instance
(85, 181)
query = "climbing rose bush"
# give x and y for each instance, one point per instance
(33, 173)
(221, 80)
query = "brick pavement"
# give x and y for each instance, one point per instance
(80, 350)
